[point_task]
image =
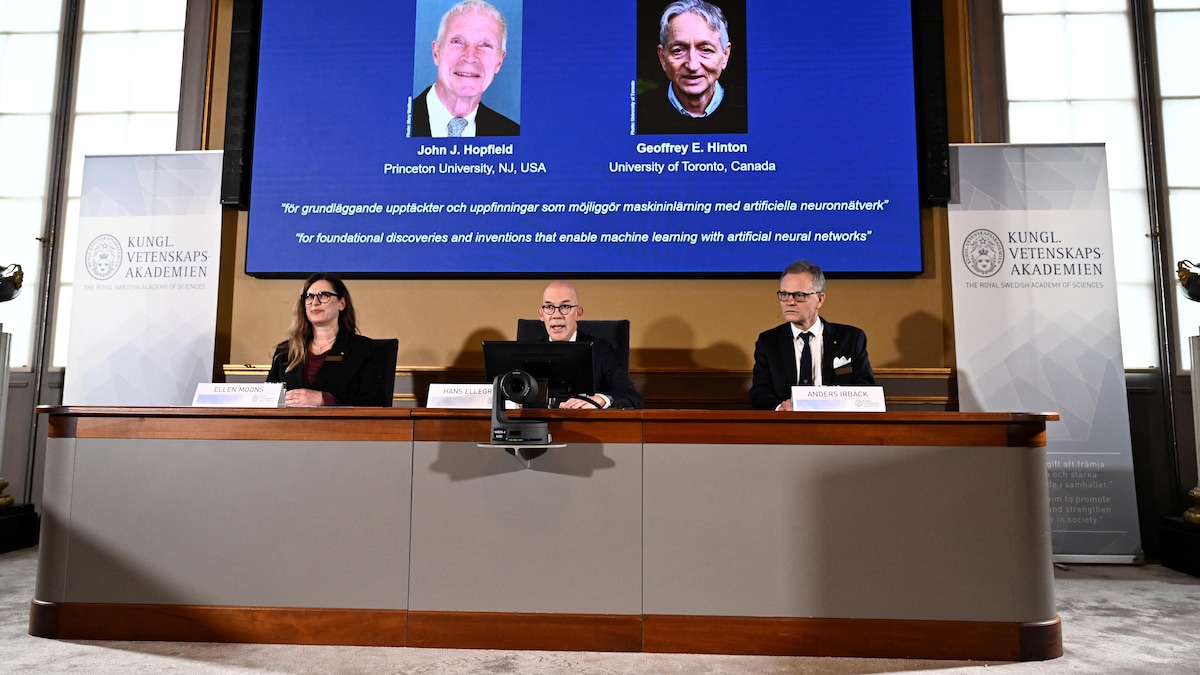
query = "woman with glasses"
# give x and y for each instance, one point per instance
(325, 361)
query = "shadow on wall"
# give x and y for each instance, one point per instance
(683, 355)
(467, 365)
(913, 344)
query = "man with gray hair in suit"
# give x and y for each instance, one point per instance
(807, 350)
(693, 50)
(471, 44)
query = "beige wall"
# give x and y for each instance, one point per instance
(700, 324)
(675, 323)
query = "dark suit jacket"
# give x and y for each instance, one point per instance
(656, 115)
(775, 362)
(612, 379)
(488, 122)
(353, 372)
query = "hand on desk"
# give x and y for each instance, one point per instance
(303, 398)
(785, 405)
(579, 403)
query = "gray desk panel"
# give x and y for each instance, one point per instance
(491, 536)
(55, 534)
(937, 533)
(251, 523)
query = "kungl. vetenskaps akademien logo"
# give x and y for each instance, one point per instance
(983, 253)
(103, 257)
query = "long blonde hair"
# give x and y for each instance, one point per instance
(300, 334)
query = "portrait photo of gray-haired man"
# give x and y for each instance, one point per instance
(468, 52)
(691, 94)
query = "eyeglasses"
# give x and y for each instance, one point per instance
(798, 296)
(549, 309)
(318, 298)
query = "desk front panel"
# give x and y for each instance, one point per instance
(843, 531)
(246, 523)
(561, 536)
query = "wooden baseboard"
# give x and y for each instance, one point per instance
(559, 632)
(866, 638)
(192, 623)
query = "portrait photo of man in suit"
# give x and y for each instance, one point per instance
(806, 350)
(694, 52)
(469, 51)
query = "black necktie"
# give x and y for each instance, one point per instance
(806, 374)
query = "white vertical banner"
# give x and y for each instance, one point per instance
(1036, 327)
(144, 306)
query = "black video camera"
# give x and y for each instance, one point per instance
(517, 386)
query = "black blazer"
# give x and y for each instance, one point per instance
(488, 122)
(775, 362)
(612, 379)
(354, 372)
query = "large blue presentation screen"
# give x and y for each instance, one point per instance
(816, 155)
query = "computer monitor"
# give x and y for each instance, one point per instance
(562, 369)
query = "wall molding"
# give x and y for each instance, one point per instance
(672, 387)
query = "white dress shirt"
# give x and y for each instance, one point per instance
(816, 346)
(439, 117)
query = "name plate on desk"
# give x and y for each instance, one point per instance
(239, 395)
(470, 396)
(838, 399)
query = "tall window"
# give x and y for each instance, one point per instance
(29, 35)
(1177, 26)
(1071, 79)
(126, 101)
